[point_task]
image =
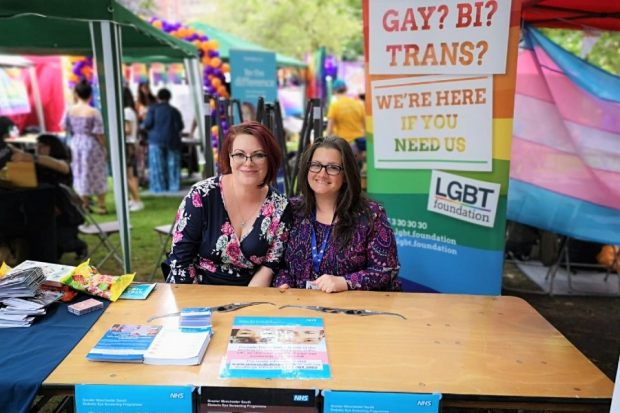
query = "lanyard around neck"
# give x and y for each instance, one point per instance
(317, 255)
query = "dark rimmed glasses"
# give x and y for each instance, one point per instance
(257, 158)
(330, 168)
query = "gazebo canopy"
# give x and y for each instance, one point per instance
(103, 29)
(573, 14)
(60, 27)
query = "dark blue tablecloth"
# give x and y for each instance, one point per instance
(28, 355)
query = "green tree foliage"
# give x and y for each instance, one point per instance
(139, 7)
(605, 53)
(294, 27)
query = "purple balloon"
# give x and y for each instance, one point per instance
(213, 53)
(218, 72)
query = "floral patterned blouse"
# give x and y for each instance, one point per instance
(205, 248)
(368, 262)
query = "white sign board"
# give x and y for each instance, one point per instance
(443, 37)
(433, 122)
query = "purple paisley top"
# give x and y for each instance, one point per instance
(205, 248)
(368, 262)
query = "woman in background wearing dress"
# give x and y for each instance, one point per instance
(231, 229)
(88, 148)
(131, 144)
(339, 240)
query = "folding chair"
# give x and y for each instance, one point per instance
(164, 232)
(102, 230)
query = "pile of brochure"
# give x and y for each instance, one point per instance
(20, 312)
(21, 283)
(195, 318)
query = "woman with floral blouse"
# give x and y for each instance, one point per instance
(339, 240)
(231, 229)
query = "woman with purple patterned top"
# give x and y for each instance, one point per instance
(231, 229)
(339, 240)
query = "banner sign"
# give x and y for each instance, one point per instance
(433, 122)
(440, 87)
(430, 36)
(253, 75)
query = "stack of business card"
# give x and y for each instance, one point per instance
(85, 306)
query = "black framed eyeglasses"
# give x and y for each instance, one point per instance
(256, 158)
(331, 169)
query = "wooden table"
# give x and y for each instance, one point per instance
(475, 350)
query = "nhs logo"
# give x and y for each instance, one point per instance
(301, 398)
(462, 198)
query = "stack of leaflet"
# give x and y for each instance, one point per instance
(24, 283)
(195, 318)
(20, 312)
(185, 344)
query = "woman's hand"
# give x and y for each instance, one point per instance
(331, 283)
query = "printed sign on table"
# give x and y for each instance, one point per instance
(375, 402)
(99, 398)
(433, 122)
(430, 36)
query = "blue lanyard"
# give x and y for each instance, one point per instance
(317, 256)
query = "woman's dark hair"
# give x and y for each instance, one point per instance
(58, 150)
(84, 90)
(350, 202)
(267, 141)
(145, 98)
(128, 101)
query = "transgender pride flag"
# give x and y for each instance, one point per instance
(565, 163)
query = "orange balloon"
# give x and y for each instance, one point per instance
(158, 24)
(73, 78)
(221, 90)
(215, 44)
(215, 62)
(214, 130)
(225, 68)
(216, 82)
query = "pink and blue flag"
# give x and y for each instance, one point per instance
(565, 163)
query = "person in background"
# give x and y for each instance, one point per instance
(88, 148)
(231, 229)
(131, 143)
(248, 112)
(339, 240)
(7, 127)
(164, 124)
(346, 119)
(145, 99)
(53, 166)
